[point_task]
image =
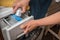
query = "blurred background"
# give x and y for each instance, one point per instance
(7, 3)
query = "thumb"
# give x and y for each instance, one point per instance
(15, 8)
(23, 9)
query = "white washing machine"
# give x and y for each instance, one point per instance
(10, 27)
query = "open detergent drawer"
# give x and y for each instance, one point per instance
(10, 27)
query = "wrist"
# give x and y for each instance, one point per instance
(39, 22)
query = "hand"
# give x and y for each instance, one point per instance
(29, 26)
(20, 4)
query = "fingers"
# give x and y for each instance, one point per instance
(23, 26)
(32, 27)
(26, 31)
(15, 8)
(18, 5)
(29, 29)
(23, 9)
(15, 3)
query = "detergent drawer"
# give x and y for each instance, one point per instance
(11, 28)
(12, 32)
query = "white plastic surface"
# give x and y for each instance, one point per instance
(18, 12)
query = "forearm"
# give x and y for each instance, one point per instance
(53, 19)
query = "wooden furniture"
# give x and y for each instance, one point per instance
(54, 7)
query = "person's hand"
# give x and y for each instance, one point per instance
(29, 26)
(20, 4)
